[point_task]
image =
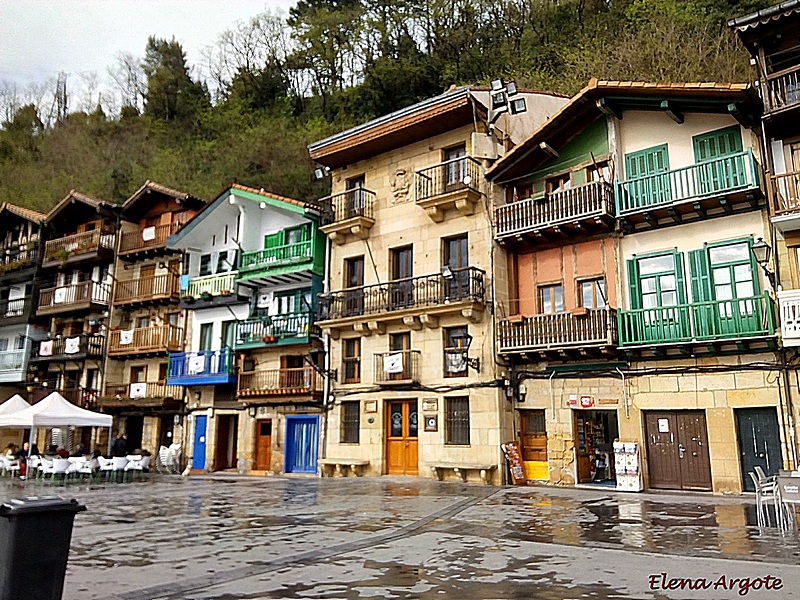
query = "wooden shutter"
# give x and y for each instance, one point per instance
(715, 144)
(273, 240)
(701, 278)
(633, 284)
(680, 281)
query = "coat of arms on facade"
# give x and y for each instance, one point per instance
(401, 186)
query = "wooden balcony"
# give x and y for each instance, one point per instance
(398, 367)
(147, 290)
(87, 295)
(708, 189)
(453, 184)
(144, 395)
(147, 240)
(348, 212)
(576, 212)
(276, 260)
(14, 312)
(743, 321)
(282, 384)
(145, 340)
(582, 332)
(17, 257)
(206, 367)
(222, 284)
(69, 347)
(414, 301)
(90, 245)
(789, 306)
(85, 398)
(277, 330)
(784, 90)
(785, 192)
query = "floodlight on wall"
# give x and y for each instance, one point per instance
(497, 85)
(499, 100)
(504, 99)
(518, 106)
(321, 172)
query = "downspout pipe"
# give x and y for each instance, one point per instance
(624, 393)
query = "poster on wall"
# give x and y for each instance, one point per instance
(511, 451)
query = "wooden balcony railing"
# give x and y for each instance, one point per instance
(274, 329)
(73, 297)
(590, 200)
(147, 238)
(710, 178)
(427, 290)
(18, 256)
(158, 287)
(785, 192)
(77, 245)
(150, 389)
(278, 256)
(85, 398)
(449, 176)
(161, 338)
(784, 89)
(280, 382)
(12, 360)
(349, 204)
(16, 310)
(89, 345)
(397, 367)
(216, 285)
(597, 327)
(700, 321)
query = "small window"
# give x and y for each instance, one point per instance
(3, 344)
(456, 423)
(162, 372)
(598, 172)
(206, 336)
(593, 293)
(205, 265)
(551, 299)
(559, 183)
(533, 422)
(352, 360)
(350, 422)
(455, 364)
(138, 374)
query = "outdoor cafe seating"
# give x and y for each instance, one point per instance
(782, 491)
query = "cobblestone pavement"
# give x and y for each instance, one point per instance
(227, 537)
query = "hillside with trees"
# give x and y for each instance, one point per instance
(270, 86)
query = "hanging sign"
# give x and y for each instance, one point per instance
(587, 401)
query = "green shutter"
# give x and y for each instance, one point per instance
(701, 279)
(680, 281)
(716, 144)
(272, 240)
(649, 161)
(633, 284)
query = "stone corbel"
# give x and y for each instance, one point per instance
(430, 321)
(412, 323)
(361, 327)
(435, 213)
(331, 332)
(466, 206)
(360, 231)
(376, 327)
(472, 313)
(337, 237)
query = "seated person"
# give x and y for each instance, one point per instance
(80, 450)
(62, 452)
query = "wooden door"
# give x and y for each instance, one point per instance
(146, 278)
(693, 450)
(677, 450)
(263, 444)
(533, 444)
(402, 437)
(582, 448)
(759, 442)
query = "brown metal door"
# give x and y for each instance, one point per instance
(662, 450)
(693, 450)
(263, 444)
(402, 437)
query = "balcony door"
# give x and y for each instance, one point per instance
(356, 197)
(647, 175)
(354, 278)
(291, 374)
(146, 281)
(455, 167)
(401, 343)
(402, 288)
(455, 256)
(402, 456)
(721, 164)
(659, 294)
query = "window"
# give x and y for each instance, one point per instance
(295, 235)
(350, 422)
(593, 293)
(456, 421)
(354, 272)
(3, 344)
(559, 183)
(228, 334)
(163, 368)
(206, 336)
(401, 343)
(455, 364)
(455, 169)
(223, 264)
(356, 198)
(659, 281)
(455, 252)
(205, 265)
(551, 299)
(598, 172)
(142, 322)
(139, 374)
(352, 360)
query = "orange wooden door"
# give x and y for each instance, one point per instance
(402, 434)
(263, 444)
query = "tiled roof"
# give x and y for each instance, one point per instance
(157, 187)
(25, 213)
(765, 15)
(262, 192)
(74, 195)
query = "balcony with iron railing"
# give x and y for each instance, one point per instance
(413, 299)
(86, 295)
(14, 312)
(783, 90)
(581, 329)
(397, 367)
(158, 339)
(574, 212)
(145, 290)
(453, 184)
(69, 347)
(151, 240)
(711, 188)
(90, 245)
(709, 321)
(349, 212)
(149, 394)
(281, 384)
(206, 367)
(275, 330)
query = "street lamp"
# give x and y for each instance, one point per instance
(761, 252)
(464, 340)
(314, 358)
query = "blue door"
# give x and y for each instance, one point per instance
(199, 460)
(301, 444)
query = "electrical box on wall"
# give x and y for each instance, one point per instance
(484, 146)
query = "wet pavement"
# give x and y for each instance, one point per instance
(235, 538)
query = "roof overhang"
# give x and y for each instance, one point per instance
(137, 205)
(762, 24)
(90, 205)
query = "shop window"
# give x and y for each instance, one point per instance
(551, 299)
(593, 293)
(350, 422)
(352, 360)
(456, 421)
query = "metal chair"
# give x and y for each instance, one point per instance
(765, 491)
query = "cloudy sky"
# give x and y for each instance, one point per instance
(39, 38)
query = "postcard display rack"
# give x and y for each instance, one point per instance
(626, 462)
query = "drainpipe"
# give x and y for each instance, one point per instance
(624, 393)
(552, 395)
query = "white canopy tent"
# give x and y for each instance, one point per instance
(13, 405)
(55, 411)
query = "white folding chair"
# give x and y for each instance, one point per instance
(61, 466)
(134, 464)
(10, 465)
(106, 465)
(162, 458)
(118, 466)
(46, 467)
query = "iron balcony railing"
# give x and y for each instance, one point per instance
(161, 338)
(201, 365)
(785, 192)
(413, 292)
(273, 329)
(450, 176)
(592, 199)
(698, 321)
(150, 389)
(597, 327)
(215, 285)
(12, 360)
(147, 238)
(784, 88)
(397, 367)
(278, 256)
(710, 178)
(357, 202)
(67, 297)
(144, 289)
(63, 347)
(88, 242)
(13, 309)
(280, 382)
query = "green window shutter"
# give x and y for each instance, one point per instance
(701, 279)
(680, 280)
(272, 240)
(649, 161)
(633, 284)
(716, 144)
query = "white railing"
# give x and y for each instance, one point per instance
(789, 307)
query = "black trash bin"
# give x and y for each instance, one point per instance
(35, 534)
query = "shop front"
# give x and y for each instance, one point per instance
(595, 431)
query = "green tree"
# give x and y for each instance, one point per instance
(171, 94)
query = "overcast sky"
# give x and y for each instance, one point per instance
(39, 38)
